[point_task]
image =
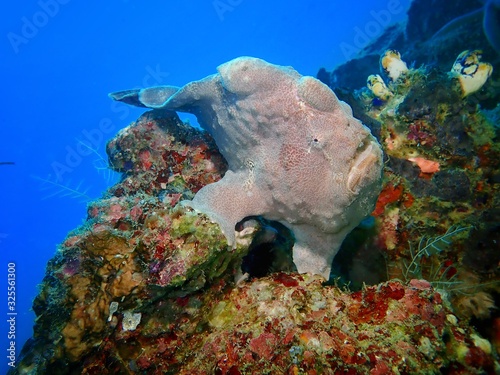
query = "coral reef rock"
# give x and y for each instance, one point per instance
(437, 215)
(150, 285)
(295, 154)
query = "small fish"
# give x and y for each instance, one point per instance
(7, 163)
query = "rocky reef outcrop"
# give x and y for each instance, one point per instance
(146, 286)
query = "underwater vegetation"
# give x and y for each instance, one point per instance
(56, 187)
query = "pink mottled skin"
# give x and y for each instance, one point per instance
(295, 154)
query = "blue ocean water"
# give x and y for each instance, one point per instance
(60, 59)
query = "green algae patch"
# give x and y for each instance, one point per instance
(223, 315)
(195, 252)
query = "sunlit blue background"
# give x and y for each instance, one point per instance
(59, 59)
